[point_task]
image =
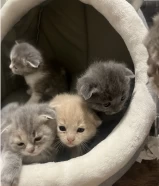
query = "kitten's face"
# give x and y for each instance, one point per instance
(33, 144)
(25, 59)
(75, 133)
(105, 87)
(109, 103)
(76, 124)
(32, 133)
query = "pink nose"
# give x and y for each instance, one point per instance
(70, 139)
(30, 149)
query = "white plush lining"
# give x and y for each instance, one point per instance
(112, 154)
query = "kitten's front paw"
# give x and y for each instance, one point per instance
(29, 92)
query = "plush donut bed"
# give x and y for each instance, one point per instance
(116, 151)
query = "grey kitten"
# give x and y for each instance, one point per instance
(42, 79)
(105, 86)
(152, 44)
(28, 134)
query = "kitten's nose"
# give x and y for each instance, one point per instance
(30, 149)
(70, 139)
(11, 66)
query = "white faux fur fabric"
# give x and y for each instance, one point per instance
(118, 148)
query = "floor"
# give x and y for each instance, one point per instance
(144, 174)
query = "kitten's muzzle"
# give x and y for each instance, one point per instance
(70, 139)
(30, 149)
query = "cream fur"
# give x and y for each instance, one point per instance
(73, 112)
(109, 156)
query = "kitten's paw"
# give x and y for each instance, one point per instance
(29, 92)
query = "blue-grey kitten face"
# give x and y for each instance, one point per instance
(105, 86)
(25, 59)
(32, 129)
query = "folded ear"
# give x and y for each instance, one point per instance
(34, 64)
(6, 129)
(54, 105)
(96, 120)
(129, 73)
(86, 89)
(46, 117)
(17, 42)
(49, 115)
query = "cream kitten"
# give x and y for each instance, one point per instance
(76, 123)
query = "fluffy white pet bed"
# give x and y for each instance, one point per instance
(112, 154)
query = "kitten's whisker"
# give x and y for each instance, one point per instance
(58, 146)
(11, 75)
(85, 146)
(80, 149)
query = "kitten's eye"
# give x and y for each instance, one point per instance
(122, 98)
(62, 128)
(15, 67)
(38, 139)
(20, 144)
(107, 104)
(80, 130)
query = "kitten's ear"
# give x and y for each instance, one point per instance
(50, 115)
(17, 42)
(6, 129)
(129, 73)
(34, 64)
(86, 91)
(96, 120)
(46, 117)
(54, 105)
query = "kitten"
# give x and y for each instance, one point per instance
(28, 135)
(76, 123)
(43, 81)
(152, 45)
(105, 86)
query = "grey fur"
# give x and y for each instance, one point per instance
(42, 79)
(105, 83)
(152, 44)
(28, 122)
